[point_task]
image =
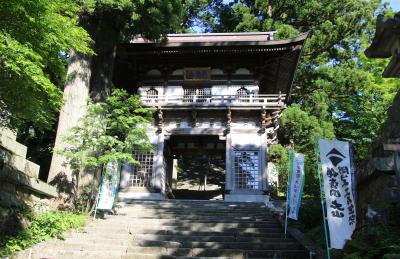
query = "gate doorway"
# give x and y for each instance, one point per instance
(195, 167)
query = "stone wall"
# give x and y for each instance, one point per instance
(20, 188)
(378, 176)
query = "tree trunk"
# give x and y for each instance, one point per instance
(86, 76)
(76, 93)
(105, 36)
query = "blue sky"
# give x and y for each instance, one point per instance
(395, 4)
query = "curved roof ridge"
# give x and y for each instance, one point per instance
(201, 38)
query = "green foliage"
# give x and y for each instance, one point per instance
(33, 36)
(280, 157)
(109, 131)
(43, 227)
(150, 19)
(376, 240)
(337, 91)
(299, 130)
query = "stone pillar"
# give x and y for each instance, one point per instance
(159, 173)
(76, 94)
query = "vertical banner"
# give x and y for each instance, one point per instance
(337, 181)
(109, 186)
(295, 184)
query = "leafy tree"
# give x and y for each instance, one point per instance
(109, 131)
(110, 22)
(337, 91)
(107, 22)
(300, 130)
(33, 37)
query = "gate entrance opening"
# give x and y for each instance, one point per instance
(195, 167)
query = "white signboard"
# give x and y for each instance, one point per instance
(296, 183)
(109, 187)
(341, 211)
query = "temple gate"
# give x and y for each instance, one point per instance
(221, 93)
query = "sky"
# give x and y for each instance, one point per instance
(395, 4)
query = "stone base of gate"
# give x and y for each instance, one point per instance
(139, 193)
(247, 198)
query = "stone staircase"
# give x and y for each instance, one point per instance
(178, 229)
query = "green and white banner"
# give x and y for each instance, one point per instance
(295, 183)
(337, 186)
(109, 186)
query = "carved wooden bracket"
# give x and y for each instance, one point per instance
(228, 120)
(160, 120)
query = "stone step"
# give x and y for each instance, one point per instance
(162, 229)
(213, 238)
(141, 213)
(151, 256)
(217, 245)
(205, 252)
(204, 208)
(190, 215)
(126, 240)
(178, 235)
(71, 254)
(194, 205)
(157, 245)
(222, 206)
(126, 220)
(196, 217)
(176, 202)
(213, 233)
(179, 224)
(179, 230)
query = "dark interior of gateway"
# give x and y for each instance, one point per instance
(195, 167)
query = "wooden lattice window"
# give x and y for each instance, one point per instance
(199, 95)
(141, 175)
(246, 170)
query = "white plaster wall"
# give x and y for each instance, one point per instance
(153, 138)
(174, 90)
(245, 140)
(219, 90)
(244, 124)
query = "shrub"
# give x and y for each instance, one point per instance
(43, 227)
